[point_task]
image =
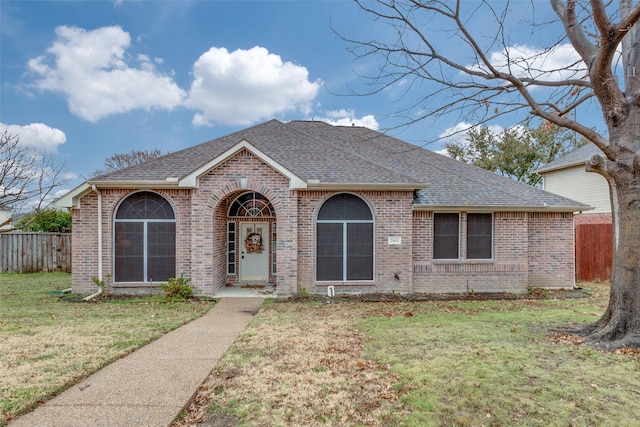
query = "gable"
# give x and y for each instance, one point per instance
(192, 180)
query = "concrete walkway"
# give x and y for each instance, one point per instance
(152, 385)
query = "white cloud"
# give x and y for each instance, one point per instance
(345, 117)
(244, 86)
(37, 136)
(559, 63)
(90, 69)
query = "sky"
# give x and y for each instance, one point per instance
(84, 80)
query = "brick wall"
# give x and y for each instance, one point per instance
(85, 228)
(551, 250)
(392, 217)
(506, 272)
(209, 219)
(529, 250)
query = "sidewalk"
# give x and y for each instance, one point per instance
(152, 385)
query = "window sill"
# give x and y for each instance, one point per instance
(125, 285)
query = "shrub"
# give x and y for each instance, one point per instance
(47, 220)
(177, 288)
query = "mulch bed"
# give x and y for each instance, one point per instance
(536, 294)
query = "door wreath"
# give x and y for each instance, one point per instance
(253, 243)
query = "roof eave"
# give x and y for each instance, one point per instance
(72, 198)
(502, 208)
(560, 167)
(138, 184)
(355, 186)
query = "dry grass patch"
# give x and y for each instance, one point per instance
(458, 363)
(48, 344)
(298, 364)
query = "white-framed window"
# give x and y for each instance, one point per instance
(231, 248)
(274, 247)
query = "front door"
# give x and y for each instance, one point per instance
(254, 252)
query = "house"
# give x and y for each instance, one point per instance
(567, 177)
(307, 205)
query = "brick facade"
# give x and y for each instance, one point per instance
(392, 217)
(529, 249)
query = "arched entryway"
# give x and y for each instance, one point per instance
(251, 239)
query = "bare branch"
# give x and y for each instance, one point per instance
(26, 175)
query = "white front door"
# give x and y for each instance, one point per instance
(254, 252)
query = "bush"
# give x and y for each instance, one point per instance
(177, 288)
(47, 220)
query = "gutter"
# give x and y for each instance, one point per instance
(503, 208)
(92, 296)
(151, 183)
(314, 184)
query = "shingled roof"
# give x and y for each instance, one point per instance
(319, 155)
(579, 156)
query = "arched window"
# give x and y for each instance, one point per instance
(251, 205)
(344, 240)
(145, 239)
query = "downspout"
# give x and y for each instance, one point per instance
(92, 296)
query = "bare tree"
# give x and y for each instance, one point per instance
(124, 160)
(26, 176)
(482, 76)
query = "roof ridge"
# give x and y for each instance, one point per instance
(341, 148)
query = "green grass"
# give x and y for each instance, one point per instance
(478, 363)
(48, 343)
(473, 364)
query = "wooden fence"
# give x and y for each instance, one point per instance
(594, 252)
(35, 252)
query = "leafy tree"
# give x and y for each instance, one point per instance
(124, 160)
(26, 176)
(516, 152)
(47, 220)
(485, 76)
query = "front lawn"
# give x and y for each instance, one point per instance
(48, 344)
(471, 363)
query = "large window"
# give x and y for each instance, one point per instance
(344, 240)
(145, 239)
(446, 236)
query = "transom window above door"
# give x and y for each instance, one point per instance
(251, 205)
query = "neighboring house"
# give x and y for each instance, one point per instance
(567, 177)
(307, 205)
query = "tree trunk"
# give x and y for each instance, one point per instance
(619, 326)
